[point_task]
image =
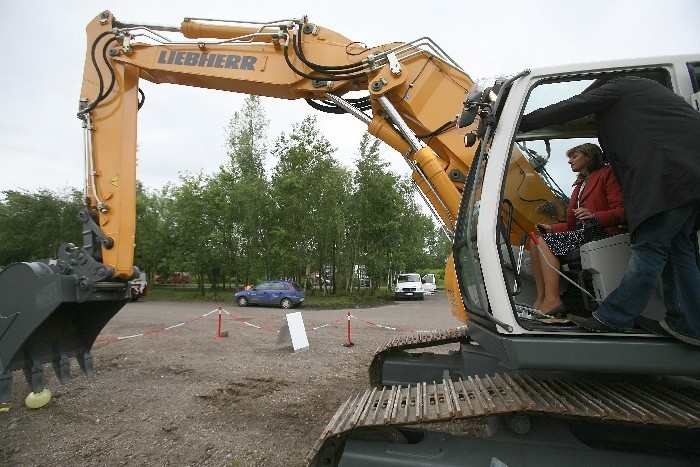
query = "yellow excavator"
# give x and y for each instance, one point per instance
(550, 392)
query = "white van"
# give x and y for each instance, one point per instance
(409, 286)
(428, 284)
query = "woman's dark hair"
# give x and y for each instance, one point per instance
(596, 159)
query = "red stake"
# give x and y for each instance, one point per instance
(218, 330)
(349, 343)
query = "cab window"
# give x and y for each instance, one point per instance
(538, 180)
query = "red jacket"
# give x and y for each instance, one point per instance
(602, 196)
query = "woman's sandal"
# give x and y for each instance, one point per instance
(558, 312)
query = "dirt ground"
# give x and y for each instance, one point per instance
(183, 397)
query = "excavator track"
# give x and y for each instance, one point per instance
(658, 404)
(413, 341)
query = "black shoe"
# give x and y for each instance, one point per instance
(651, 326)
(592, 324)
(557, 312)
(687, 339)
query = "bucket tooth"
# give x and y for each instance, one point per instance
(5, 387)
(86, 363)
(34, 375)
(61, 366)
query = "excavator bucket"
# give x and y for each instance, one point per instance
(51, 311)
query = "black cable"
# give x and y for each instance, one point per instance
(101, 94)
(522, 172)
(331, 109)
(362, 104)
(357, 53)
(332, 70)
(111, 69)
(318, 78)
(99, 73)
(442, 128)
(143, 99)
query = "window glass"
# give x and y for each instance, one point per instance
(538, 179)
(408, 278)
(263, 286)
(694, 69)
(551, 93)
(467, 260)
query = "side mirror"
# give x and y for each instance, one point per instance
(471, 109)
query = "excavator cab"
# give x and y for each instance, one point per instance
(500, 209)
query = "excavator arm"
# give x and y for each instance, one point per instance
(412, 93)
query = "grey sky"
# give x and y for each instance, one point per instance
(182, 129)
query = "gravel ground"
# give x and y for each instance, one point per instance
(183, 397)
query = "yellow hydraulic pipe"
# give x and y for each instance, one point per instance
(434, 170)
(194, 30)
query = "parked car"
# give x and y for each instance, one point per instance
(139, 287)
(283, 293)
(428, 284)
(409, 286)
(176, 278)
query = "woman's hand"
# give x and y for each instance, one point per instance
(583, 214)
(544, 228)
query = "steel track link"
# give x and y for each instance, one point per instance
(500, 394)
(413, 341)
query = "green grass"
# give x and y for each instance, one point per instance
(314, 299)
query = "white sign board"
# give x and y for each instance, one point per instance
(293, 332)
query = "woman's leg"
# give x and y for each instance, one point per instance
(537, 272)
(550, 278)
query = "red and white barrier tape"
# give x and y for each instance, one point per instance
(241, 320)
(154, 331)
(262, 328)
(370, 323)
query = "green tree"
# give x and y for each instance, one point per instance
(376, 210)
(243, 194)
(153, 232)
(34, 225)
(193, 216)
(305, 170)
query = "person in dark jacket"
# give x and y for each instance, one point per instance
(651, 137)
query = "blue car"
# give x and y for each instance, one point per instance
(286, 294)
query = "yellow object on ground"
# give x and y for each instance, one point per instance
(38, 400)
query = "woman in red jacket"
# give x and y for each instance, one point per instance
(596, 195)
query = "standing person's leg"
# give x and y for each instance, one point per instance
(681, 280)
(649, 250)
